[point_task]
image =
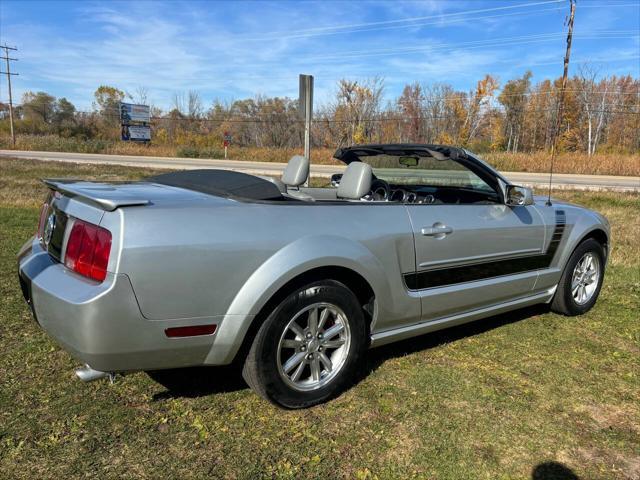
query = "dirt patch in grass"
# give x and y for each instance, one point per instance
(609, 463)
(621, 417)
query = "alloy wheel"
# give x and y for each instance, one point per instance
(314, 346)
(584, 280)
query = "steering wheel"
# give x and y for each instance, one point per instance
(380, 189)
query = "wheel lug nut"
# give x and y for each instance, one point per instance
(310, 356)
(309, 335)
(320, 336)
(319, 349)
(303, 348)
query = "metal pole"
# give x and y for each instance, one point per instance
(306, 107)
(8, 72)
(13, 133)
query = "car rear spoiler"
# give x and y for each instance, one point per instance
(104, 196)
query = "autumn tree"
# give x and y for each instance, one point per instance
(64, 112)
(107, 102)
(477, 105)
(514, 99)
(411, 109)
(355, 108)
(601, 113)
(437, 114)
(38, 108)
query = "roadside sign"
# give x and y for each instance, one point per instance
(226, 142)
(131, 113)
(136, 133)
(305, 97)
(134, 121)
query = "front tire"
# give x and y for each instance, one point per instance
(310, 347)
(581, 280)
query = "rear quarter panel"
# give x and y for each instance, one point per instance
(229, 257)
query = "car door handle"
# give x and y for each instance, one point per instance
(437, 230)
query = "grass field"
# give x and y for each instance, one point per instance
(529, 395)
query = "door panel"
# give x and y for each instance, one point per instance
(471, 256)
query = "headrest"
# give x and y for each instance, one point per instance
(356, 181)
(296, 171)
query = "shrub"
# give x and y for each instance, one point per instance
(188, 152)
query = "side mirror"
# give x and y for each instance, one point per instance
(335, 179)
(518, 196)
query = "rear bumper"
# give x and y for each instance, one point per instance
(101, 324)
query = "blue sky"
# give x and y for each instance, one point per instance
(231, 50)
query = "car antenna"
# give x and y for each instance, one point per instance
(554, 145)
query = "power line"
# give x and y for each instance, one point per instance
(470, 45)
(416, 21)
(553, 91)
(343, 29)
(504, 41)
(440, 22)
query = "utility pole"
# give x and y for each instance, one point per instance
(565, 74)
(7, 58)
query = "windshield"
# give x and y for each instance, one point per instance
(423, 170)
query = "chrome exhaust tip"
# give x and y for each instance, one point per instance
(88, 374)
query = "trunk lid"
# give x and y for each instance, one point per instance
(111, 196)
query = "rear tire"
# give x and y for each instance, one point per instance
(310, 347)
(581, 280)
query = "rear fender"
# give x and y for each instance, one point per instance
(295, 259)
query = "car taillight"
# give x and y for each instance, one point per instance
(88, 249)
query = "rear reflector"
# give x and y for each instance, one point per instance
(191, 331)
(88, 249)
(44, 210)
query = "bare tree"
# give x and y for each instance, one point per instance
(194, 105)
(514, 100)
(178, 102)
(356, 107)
(141, 95)
(411, 109)
(586, 82)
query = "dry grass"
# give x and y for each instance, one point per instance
(600, 164)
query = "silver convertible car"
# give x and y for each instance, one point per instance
(208, 267)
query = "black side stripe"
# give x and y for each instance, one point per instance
(481, 271)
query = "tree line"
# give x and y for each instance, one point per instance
(601, 114)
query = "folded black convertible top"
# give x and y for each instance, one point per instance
(222, 183)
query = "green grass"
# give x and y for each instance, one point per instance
(497, 399)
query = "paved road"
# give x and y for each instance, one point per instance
(561, 180)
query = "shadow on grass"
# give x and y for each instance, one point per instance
(378, 356)
(198, 381)
(553, 471)
(202, 381)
